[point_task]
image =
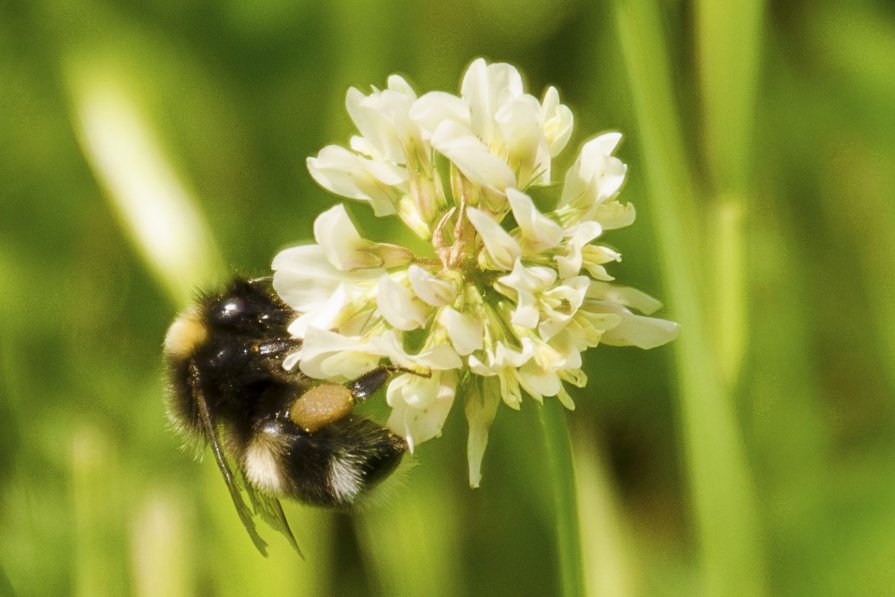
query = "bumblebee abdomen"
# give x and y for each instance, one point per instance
(332, 467)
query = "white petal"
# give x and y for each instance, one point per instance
(318, 342)
(558, 122)
(594, 256)
(433, 108)
(586, 329)
(537, 230)
(581, 234)
(502, 357)
(536, 278)
(565, 352)
(340, 241)
(510, 390)
(398, 306)
(482, 364)
(624, 295)
(612, 178)
(304, 277)
(481, 409)
(595, 175)
(295, 267)
(383, 117)
(430, 288)
(291, 360)
(502, 248)
(336, 169)
(486, 87)
(341, 365)
(603, 145)
(528, 283)
(399, 84)
(565, 399)
(465, 332)
(560, 303)
(539, 382)
(439, 358)
(471, 156)
(325, 315)
(526, 314)
(345, 173)
(642, 332)
(328, 355)
(519, 121)
(420, 405)
(507, 357)
(613, 215)
(548, 357)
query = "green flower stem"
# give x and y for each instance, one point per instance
(722, 490)
(562, 482)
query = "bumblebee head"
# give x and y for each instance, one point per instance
(247, 307)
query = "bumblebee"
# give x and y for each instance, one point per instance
(287, 435)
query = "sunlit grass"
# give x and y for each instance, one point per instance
(151, 200)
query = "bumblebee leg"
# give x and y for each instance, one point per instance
(367, 384)
(269, 365)
(212, 435)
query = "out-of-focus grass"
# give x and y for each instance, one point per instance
(789, 227)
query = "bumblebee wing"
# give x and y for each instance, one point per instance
(211, 433)
(271, 511)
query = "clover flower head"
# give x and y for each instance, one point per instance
(513, 289)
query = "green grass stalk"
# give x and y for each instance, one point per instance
(562, 482)
(721, 486)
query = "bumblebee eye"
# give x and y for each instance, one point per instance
(233, 312)
(232, 307)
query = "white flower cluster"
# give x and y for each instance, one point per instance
(512, 292)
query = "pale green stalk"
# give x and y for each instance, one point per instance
(409, 540)
(94, 476)
(721, 486)
(728, 41)
(609, 566)
(561, 477)
(162, 546)
(153, 203)
(845, 36)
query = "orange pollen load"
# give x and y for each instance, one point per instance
(321, 406)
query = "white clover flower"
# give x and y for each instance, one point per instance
(512, 291)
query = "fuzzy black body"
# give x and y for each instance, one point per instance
(228, 387)
(236, 343)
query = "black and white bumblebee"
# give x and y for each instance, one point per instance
(287, 435)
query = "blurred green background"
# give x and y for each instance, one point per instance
(755, 455)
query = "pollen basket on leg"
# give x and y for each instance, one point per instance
(321, 406)
(262, 459)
